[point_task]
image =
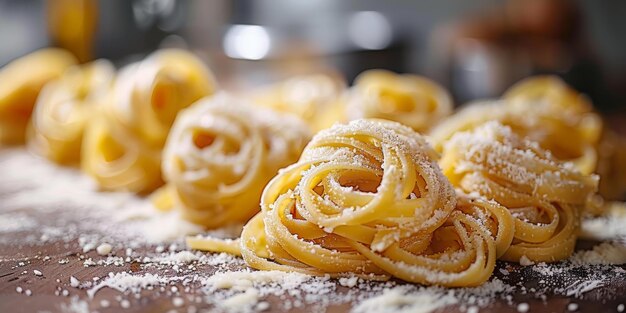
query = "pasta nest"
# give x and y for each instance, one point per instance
(64, 108)
(412, 100)
(544, 196)
(543, 109)
(220, 154)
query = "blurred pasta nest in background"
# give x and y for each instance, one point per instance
(221, 153)
(544, 109)
(122, 148)
(22, 80)
(64, 108)
(412, 100)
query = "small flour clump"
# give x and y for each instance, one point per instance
(397, 301)
(604, 253)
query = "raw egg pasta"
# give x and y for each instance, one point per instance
(22, 80)
(368, 198)
(314, 98)
(220, 154)
(123, 150)
(412, 100)
(544, 196)
(64, 108)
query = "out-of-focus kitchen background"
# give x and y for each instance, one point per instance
(475, 48)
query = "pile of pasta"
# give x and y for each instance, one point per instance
(220, 154)
(505, 179)
(371, 197)
(123, 144)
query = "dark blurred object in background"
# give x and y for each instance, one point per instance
(481, 55)
(475, 48)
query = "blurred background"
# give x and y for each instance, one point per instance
(475, 48)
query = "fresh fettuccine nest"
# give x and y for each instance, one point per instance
(544, 196)
(220, 154)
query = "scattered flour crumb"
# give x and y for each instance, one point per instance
(74, 282)
(104, 249)
(348, 281)
(397, 301)
(525, 261)
(125, 304)
(604, 253)
(178, 301)
(242, 302)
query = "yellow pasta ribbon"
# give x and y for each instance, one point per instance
(20, 83)
(412, 100)
(122, 146)
(64, 108)
(220, 154)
